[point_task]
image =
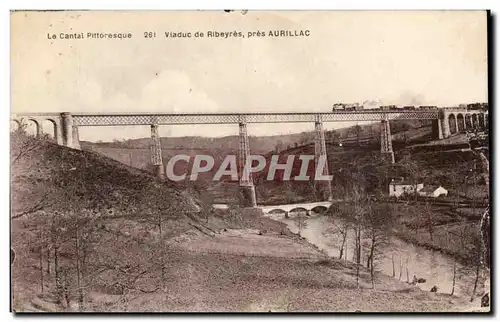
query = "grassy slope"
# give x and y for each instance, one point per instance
(89, 175)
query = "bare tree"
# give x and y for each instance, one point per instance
(357, 130)
(65, 205)
(354, 211)
(413, 172)
(339, 226)
(474, 258)
(24, 148)
(454, 277)
(306, 138)
(400, 269)
(393, 268)
(405, 127)
(22, 145)
(471, 252)
(377, 223)
(280, 146)
(353, 214)
(407, 271)
(41, 250)
(429, 219)
(344, 230)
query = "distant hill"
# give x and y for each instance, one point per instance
(136, 152)
(222, 144)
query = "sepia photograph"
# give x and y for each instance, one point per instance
(250, 161)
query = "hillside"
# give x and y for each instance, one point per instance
(91, 234)
(70, 214)
(81, 178)
(197, 143)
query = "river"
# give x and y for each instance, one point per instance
(435, 267)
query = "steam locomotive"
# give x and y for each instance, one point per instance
(340, 107)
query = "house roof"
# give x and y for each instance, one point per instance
(430, 188)
(403, 183)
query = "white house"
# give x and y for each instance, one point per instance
(433, 191)
(399, 187)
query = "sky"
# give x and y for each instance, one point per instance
(417, 58)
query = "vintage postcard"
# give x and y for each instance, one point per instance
(250, 161)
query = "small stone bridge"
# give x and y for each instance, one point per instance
(304, 207)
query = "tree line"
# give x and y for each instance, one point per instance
(84, 231)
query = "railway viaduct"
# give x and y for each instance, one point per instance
(447, 121)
